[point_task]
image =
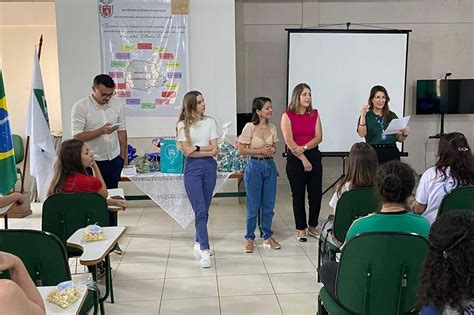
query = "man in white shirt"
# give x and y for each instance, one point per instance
(99, 120)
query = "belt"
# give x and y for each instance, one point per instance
(260, 158)
(388, 145)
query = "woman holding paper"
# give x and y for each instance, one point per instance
(374, 119)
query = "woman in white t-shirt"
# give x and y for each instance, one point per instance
(455, 167)
(197, 138)
(362, 165)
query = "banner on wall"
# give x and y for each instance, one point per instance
(145, 50)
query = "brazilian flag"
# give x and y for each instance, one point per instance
(7, 156)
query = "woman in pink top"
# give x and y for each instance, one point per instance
(301, 128)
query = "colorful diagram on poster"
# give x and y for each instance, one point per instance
(144, 49)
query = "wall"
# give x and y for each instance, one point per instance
(211, 56)
(441, 41)
(21, 25)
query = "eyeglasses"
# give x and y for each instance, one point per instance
(106, 95)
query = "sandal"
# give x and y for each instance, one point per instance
(302, 238)
(314, 232)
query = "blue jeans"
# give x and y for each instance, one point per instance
(260, 184)
(200, 176)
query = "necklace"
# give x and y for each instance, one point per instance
(392, 209)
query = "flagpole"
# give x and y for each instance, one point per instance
(22, 190)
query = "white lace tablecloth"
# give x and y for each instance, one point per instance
(167, 191)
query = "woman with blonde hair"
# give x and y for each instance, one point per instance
(302, 131)
(362, 167)
(197, 137)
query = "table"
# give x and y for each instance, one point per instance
(167, 191)
(94, 252)
(115, 192)
(53, 309)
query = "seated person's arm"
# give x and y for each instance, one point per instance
(419, 207)
(18, 295)
(12, 198)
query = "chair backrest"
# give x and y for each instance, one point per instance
(18, 148)
(353, 204)
(42, 253)
(458, 198)
(65, 213)
(379, 273)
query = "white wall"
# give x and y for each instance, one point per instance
(21, 25)
(211, 57)
(442, 40)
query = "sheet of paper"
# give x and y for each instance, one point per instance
(396, 125)
(128, 171)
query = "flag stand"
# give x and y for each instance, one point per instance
(21, 211)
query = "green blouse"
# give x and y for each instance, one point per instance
(375, 126)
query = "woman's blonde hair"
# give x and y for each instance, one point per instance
(189, 114)
(362, 167)
(295, 98)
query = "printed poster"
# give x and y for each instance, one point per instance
(145, 50)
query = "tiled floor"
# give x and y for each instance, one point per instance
(158, 272)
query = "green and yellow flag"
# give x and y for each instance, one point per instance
(7, 155)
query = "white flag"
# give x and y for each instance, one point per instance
(42, 152)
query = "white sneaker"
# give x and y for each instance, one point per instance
(197, 250)
(205, 261)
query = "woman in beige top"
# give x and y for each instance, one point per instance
(258, 142)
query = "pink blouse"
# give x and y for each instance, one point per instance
(303, 126)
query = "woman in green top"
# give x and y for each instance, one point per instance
(374, 119)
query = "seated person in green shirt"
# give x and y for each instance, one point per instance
(395, 183)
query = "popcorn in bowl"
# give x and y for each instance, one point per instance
(65, 294)
(93, 233)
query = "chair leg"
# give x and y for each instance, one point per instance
(5, 217)
(320, 252)
(109, 271)
(321, 309)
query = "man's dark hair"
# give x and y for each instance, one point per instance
(104, 79)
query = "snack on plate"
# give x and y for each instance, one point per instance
(93, 233)
(64, 295)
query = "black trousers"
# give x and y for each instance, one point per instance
(300, 181)
(386, 153)
(111, 171)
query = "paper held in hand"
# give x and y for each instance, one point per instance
(396, 125)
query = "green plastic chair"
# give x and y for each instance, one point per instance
(378, 273)
(44, 257)
(352, 204)
(65, 213)
(19, 150)
(458, 198)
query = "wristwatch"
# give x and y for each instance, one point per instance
(198, 148)
(305, 147)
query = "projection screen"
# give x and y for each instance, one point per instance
(341, 67)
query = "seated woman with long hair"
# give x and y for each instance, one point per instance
(70, 173)
(394, 184)
(447, 282)
(362, 165)
(455, 167)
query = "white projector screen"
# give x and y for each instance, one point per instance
(341, 67)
